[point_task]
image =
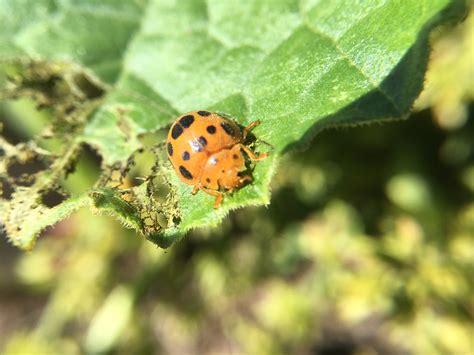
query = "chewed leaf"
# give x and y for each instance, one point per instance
(128, 68)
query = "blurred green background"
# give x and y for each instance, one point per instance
(366, 248)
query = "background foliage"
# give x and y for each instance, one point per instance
(366, 247)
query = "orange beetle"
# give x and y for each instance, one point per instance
(205, 149)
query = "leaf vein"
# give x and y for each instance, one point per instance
(344, 55)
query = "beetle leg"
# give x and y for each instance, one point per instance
(219, 195)
(245, 178)
(251, 154)
(249, 128)
(218, 200)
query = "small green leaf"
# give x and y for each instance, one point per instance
(298, 66)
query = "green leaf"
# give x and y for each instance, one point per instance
(298, 66)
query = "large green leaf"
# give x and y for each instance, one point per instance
(298, 66)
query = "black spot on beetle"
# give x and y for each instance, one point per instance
(235, 156)
(208, 180)
(186, 156)
(228, 128)
(176, 131)
(170, 149)
(186, 121)
(211, 129)
(204, 113)
(203, 141)
(185, 172)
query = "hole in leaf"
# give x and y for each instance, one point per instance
(6, 189)
(18, 168)
(159, 189)
(90, 89)
(162, 220)
(84, 172)
(52, 198)
(153, 221)
(23, 171)
(22, 120)
(141, 165)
